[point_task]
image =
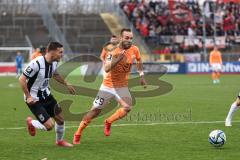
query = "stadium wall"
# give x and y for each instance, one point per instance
(170, 68)
(173, 68)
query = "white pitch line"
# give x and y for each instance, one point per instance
(13, 128)
(160, 123)
(137, 124)
(13, 85)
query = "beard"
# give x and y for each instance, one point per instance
(114, 43)
(57, 59)
(126, 44)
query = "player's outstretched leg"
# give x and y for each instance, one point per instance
(31, 128)
(218, 74)
(84, 123)
(234, 107)
(214, 76)
(32, 125)
(126, 103)
(60, 130)
(119, 114)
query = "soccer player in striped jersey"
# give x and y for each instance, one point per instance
(234, 107)
(35, 84)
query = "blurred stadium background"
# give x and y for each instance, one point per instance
(179, 33)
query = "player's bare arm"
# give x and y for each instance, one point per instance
(61, 80)
(23, 84)
(141, 73)
(111, 61)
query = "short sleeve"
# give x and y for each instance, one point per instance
(32, 68)
(103, 54)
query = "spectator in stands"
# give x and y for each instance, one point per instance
(155, 16)
(166, 50)
(191, 35)
(19, 63)
(144, 30)
(152, 34)
(200, 44)
(229, 24)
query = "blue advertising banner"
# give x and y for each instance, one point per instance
(189, 68)
(198, 68)
(175, 67)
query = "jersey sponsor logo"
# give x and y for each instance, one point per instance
(41, 117)
(28, 70)
(109, 57)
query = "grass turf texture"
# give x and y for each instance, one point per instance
(191, 93)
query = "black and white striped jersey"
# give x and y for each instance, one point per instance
(39, 72)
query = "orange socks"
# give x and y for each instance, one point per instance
(81, 127)
(218, 75)
(120, 113)
(214, 76)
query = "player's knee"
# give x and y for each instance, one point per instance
(238, 101)
(49, 125)
(126, 103)
(93, 113)
(60, 122)
(127, 108)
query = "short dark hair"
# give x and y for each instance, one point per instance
(114, 36)
(52, 46)
(125, 30)
(42, 49)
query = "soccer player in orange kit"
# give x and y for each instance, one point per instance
(215, 60)
(109, 46)
(38, 52)
(117, 65)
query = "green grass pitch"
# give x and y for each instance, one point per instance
(194, 99)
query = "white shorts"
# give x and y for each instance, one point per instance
(216, 67)
(106, 94)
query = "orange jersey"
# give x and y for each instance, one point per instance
(107, 48)
(35, 55)
(118, 76)
(215, 57)
(103, 54)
